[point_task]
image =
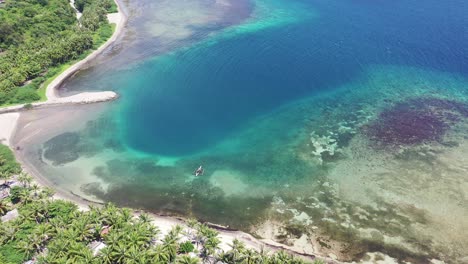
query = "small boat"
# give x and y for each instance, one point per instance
(199, 171)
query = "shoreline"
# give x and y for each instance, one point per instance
(9, 118)
(119, 19)
(53, 99)
(166, 222)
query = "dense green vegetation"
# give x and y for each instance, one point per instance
(55, 231)
(108, 5)
(39, 35)
(8, 164)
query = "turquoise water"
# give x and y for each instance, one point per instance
(279, 101)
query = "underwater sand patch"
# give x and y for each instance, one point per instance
(228, 181)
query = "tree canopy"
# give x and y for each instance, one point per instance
(37, 35)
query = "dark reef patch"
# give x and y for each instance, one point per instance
(62, 148)
(416, 121)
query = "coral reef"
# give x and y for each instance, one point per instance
(323, 144)
(415, 121)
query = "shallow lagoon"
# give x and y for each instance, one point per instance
(278, 107)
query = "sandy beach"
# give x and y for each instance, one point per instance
(10, 117)
(28, 133)
(7, 124)
(53, 99)
(119, 20)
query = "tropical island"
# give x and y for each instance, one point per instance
(326, 131)
(41, 44)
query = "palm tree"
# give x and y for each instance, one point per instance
(47, 192)
(79, 253)
(3, 207)
(25, 247)
(251, 257)
(105, 255)
(36, 242)
(118, 252)
(210, 248)
(35, 188)
(43, 231)
(171, 242)
(137, 239)
(49, 258)
(110, 215)
(144, 218)
(58, 223)
(283, 257)
(24, 179)
(4, 175)
(24, 195)
(71, 234)
(208, 238)
(158, 254)
(112, 238)
(136, 256)
(126, 215)
(185, 259)
(192, 226)
(37, 212)
(83, 228)
(58, 248)
(7, 232)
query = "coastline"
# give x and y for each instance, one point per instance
(8, 123)
(165, 222)
(53, 99)
(10, 116)
(119, 19)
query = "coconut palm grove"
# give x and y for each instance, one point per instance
(45, 230)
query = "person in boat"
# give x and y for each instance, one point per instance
(199, 171)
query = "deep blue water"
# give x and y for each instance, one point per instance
(251, 98)
(194, 98)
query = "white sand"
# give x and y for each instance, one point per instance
(7, 127)
(8, 122)
(117, 18)
(82, 98)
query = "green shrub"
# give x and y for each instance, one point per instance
(28, 106)
(26, 94)
(186, 247)
(15, 194)
(102, 34)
